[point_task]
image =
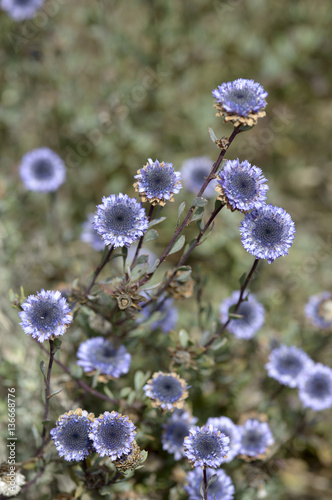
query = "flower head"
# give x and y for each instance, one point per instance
(256, 438)
(206, 447)
(227, 427)
(120, 220)
(175, 430)
(112, 435)
(42, 170)
(71, 435)
(10, 481)
(319, 310)
(167, 390)
(222, 488)
(99, 354)
(315, 387)
(252, 312)
(287, 365)
(19, 10)
(89, 234)
(194, 173)
(241, 186)
(240, 102)
(157, 182)
(45, 315)
(167, 314)
(267, 233)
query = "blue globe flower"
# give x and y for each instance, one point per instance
(71, 435)
(120, 220)
(194, 172)
(112, 435)
(221, 489)
(287, 365)
(45, 315)
(99, 354)
(175, 430)
(167, 390)
(241, 186)
(267, 233)
(157, 182)
(227, 427)
(319, 310)
(89, 234)
(252, 312)
(42, 170)
(206, 447)
(315, 387)
(256, 438)
(21, 9)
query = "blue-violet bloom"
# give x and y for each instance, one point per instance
(194, 173)
(112, 434)
(252, 312)
(287, 365)
(227, 427)
(175, 430)
(315, 387)
(167, 390)
(221, 489)
(21, 9)
(89, 234)
(42, 170)
(206, 447)
(256, 438)
(99, 354)
(167, 315)
(319, 310)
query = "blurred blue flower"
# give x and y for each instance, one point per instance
(267, 233)
(167, 390)
(99, 354)
(241, 186)
(89, 234)
(71, 435)
(315, 387)
(42, 170)
(221, 489)
(194, 172)
(287, 365)
(206, 447)
(319, 310)
(45, 314)
(240, 97)
(157, 182)
(112, 434)
(167, 314)
(21, 9)
(120, 220)
(227, 427)
(256, 438)
(252, 312)
(175, 430)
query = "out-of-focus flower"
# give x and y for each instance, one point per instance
(221, 489)
(287, 365)
(256, 438)
(21, 9)
(194, 173)
(42, 170)
(319, 310)
(252, 312)
(89, 234)
(315, 387)
(227, 427)
(175, 430)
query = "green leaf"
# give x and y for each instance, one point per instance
(212, 480)
(177, 245)
(154, 266)
(199, 202)
(181, 208)
(54, 393)
(218, 344)
(140, 379)
(198, 214)
(183, 336)
(217, 204)
(185, 273)
(42, 369)
(151, 235)
(212, 135)
(142, 259)
(156, 221)
(200, 225)
(108, 392)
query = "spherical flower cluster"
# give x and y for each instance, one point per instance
(42, 170)
(175, 430)
(99, 354)
(194, 173)
(89, 234)
(20, 10)
(157, 182)
(252, 312)
(221, 489)
(167, 316)
(240, 102)
(71, 435)
(256, 438)
(241, 186)
(167, 390)
(206, 447)
(45, 315)
(112, 435)
(288, 364)
(315, 387)
(267, 232)
(227, 427)
(120, 220)
(319, 310)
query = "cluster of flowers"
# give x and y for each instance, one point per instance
(20, 10)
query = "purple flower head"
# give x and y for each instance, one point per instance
(241, 97)
(256, 438)
(319, 310)
(175, 430)
(21, 9)
(227, 427)
(157, 182)
(45, 315)
(89, 234)
(71, 435)
(194, 172)
(120, 220)
(241, 186)
(206, 447)
(221, 489)
(112, 435)
(99, 354)
(315, 387)
(167, 390)
(42, 170)
(288, 364)
(267, 233)
(168, 314)
(252, 312)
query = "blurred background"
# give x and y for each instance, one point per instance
(107, 85)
